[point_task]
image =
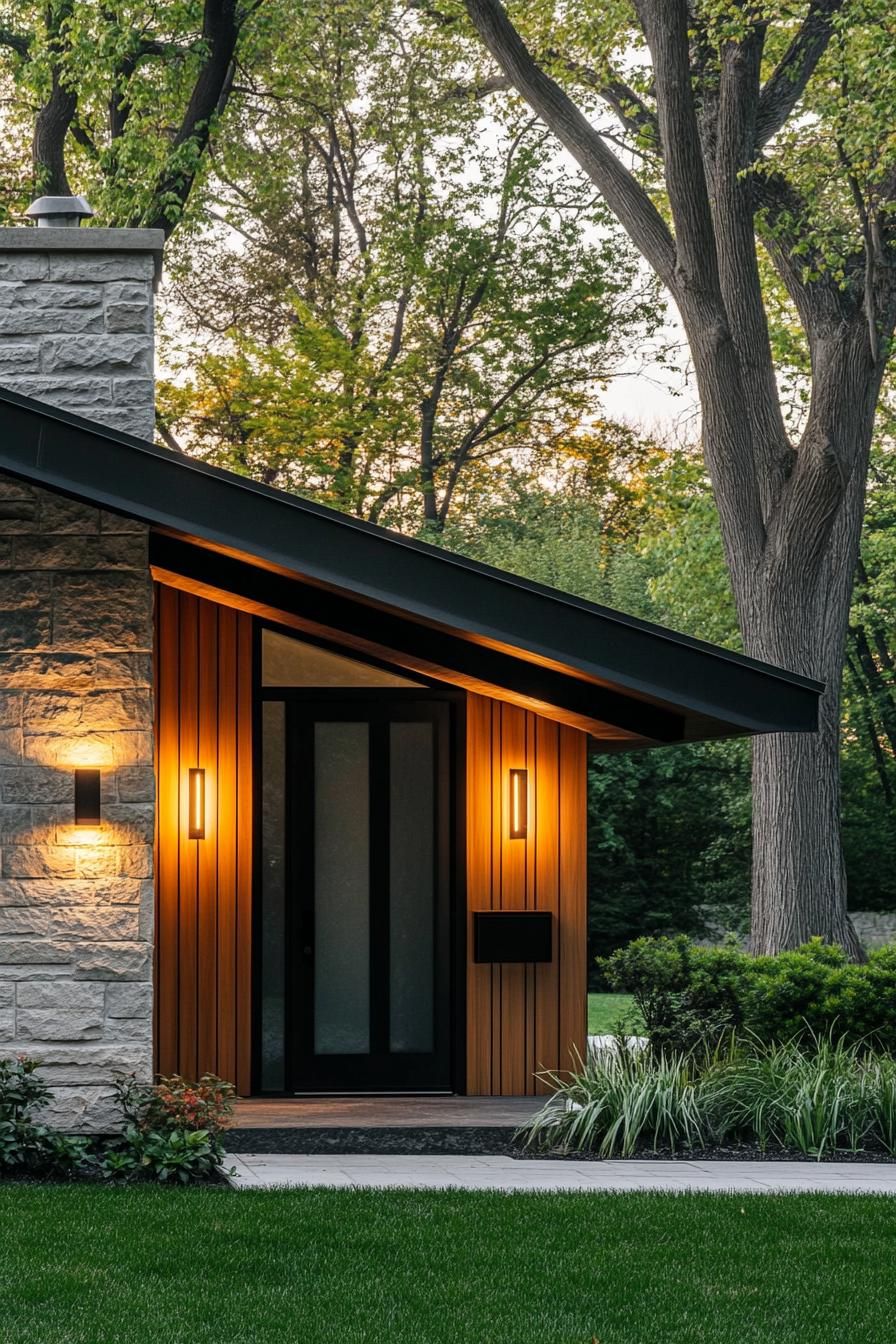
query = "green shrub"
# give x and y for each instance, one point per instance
(173, 1129)
(688, 997)
(691, 996)
(173, 1103)
(183, 1155)
(24, 1144)
(22, 1090)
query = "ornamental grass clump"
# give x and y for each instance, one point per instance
(621, 1100)
(811, 1095)
(830, 1095)
(814, 1100)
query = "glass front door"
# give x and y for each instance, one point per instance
(354, 920)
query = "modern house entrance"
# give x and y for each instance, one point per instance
(287, 797)
(355, 876)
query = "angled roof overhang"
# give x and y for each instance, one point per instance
(627, 682)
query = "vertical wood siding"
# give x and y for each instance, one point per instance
(523, 1018)
(204, 887)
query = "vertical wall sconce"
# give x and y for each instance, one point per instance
(87, 798)
(196, 804)
(519, 804)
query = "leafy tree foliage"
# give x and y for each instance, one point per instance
(417, 289)
(119, 100)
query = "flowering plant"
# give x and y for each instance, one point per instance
(173, 1103)
(206, 1105)
(173, 1128)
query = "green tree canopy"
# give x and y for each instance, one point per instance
(414, 292)
(118, 100)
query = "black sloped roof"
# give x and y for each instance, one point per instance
(590, 663)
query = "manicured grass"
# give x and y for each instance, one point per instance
(604, 1011)
(88, 1265)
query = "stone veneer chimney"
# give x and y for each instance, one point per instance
(76, 907)
(76, 321)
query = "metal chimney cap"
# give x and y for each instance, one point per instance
(59, 212)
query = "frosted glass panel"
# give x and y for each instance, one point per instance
(411, 887)
(292, 662)
(273, 894)
(341, 889)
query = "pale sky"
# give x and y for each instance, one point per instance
(658, 397)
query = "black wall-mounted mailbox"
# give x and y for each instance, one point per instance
(512, 935)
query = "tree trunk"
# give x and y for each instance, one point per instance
(797, 617)
(799, 878)
(427, 466)
(51, 127)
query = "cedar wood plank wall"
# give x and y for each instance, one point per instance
(204, 887)
(519, 1018)
(524, 1018)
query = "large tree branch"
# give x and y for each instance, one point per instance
(623, 193)
(630, 109)
(784, 232)
(728, 439)
(665, 24)
(734, 198)
(20, 43)
(787, 82)
(831, 460)
(221, 26)
(475, 92)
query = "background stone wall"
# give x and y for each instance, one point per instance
(875, 928)
(76, 321)
(76, 903)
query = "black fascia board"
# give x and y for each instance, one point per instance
(113, 470)
(442, 648)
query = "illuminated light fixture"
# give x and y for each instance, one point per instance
(196, 804)
(87, 798)
(519, 804)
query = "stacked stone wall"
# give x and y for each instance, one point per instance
(76, 903)
(76, 327)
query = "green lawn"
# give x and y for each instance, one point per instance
(604, 1010)
(87, 1265)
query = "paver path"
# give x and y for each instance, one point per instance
(507, 1173)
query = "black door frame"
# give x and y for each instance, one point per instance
(447, 707)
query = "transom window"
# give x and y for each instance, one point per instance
(293, 662)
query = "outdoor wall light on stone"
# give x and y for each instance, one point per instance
(519, 804)
(196, 804)
(88, 811)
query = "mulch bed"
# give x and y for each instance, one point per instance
(459, 1139)
(491, 1141)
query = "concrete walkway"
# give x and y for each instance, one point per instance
(265, 1170)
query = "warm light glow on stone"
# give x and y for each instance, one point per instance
(83, 836)
(85, 753)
